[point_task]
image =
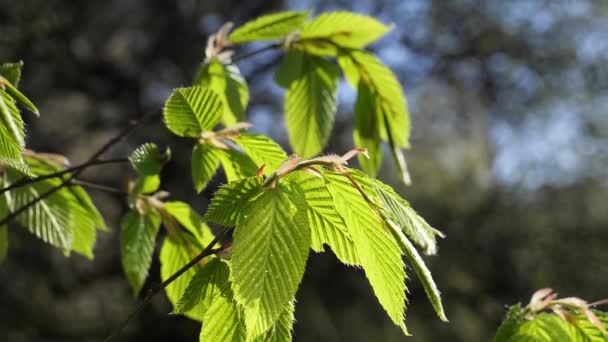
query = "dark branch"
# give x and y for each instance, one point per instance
(255, 52)
(100, 187)
(27, 181)
(209, 250)
(95, 157)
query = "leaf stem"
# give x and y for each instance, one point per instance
(208, 250)
(255, 52)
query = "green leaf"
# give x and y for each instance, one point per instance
(12, 72)
(148, 160)
(378, 251)
(281, 331)
(205, 161)
(11, 119)
(349, 69)
(17, 95)
(310, 106)
(388, 93)
(583, 330)
(404, 216)
(508, 327)
(10, 152)
(269, 253)
(326, 225)
(237, 164)
(224, 321)
(190, 111)
(289, 69)
(146, 185)
(432, 292)
(229, 84)
(366, 132)
(137, 239)
(191, 221)
(544, 327)
(3, 242)
(230, 200)
(269, 27)
(345, 29)
(262, 150)
(204, 287)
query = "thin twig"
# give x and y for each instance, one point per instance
(255, 52)
(95, 157)
(27, 181)
(209, 250)
(99, 187)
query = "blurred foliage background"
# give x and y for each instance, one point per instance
(509, 102)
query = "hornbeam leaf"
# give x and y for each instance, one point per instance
(508, 327)
(11, 119)
(262, 150)
(281, 331)
(310, 106)
(289, 68)
(421, 270)
(388, 92)
(190, 111)
(10, 152)
(224, 321)
(12, 72)
(208, 283)
(326, 225)
(402, 214)
(582, 329)
(544, 327)
(148, 160)
(230, 200)
(269, 253)
(379, 253)
(269, 27)
(18, 96)
(367, 129)
(137, 239)
(191, 221)
(237, 164)
(345, 29)
(205, 161)
(229, 84)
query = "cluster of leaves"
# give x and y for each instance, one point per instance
(310, 75)
(548, 318)
(65, 217)
(280, 207)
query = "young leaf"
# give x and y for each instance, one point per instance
(190, 111)
(205, 161)
(262, 150)
(345, 29)
(3, 243)
(378, 251)
(269, 27)
(367, 129)
(148, 160)
(229, 84)
(269, 254)
(11, 119)
(145, 185)
(204, 287)
(404, 216)
(508, 327)
(237, 164)
(326, 225)
(544, 327)
(17, 95)
(289, 69)
(191, 221)
(432, 292)
(224, 321)
(281, 331)
(137, 239)
(12, 72)
(230, 200)
(310, 106)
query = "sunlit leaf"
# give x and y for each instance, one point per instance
(148, 160)
(230, 200)
(229, 84)
(190, 111)
(205, 161)
(204, 287)
(137, 240)
(269, 253)
(310, 106)
(269, 27)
